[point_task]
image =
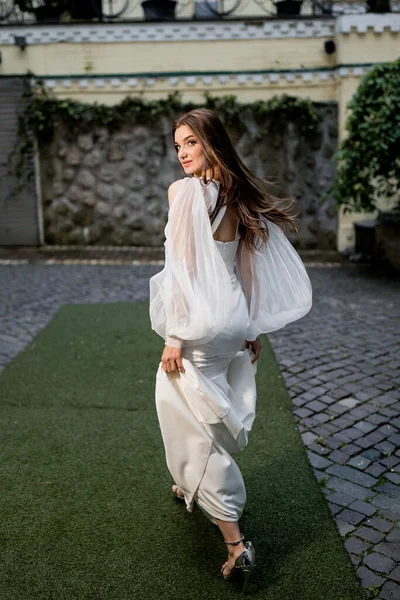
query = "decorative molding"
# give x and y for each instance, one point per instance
(248, 79)
(363, 23)
(169, 31)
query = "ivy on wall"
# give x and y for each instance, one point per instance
(368, 159)
(44, 111)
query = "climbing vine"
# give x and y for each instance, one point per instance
(43, 112)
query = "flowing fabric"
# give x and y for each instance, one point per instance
(275, 281)
(190, 299)
(191, 296)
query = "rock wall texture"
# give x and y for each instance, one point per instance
(111, 188)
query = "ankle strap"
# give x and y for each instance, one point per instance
(236, 542)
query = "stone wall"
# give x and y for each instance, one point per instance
(111, 188)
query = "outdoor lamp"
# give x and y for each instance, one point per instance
(330, 46)
(20, 41)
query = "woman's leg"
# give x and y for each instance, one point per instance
(230, 532)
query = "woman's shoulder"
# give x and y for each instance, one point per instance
(174, 189)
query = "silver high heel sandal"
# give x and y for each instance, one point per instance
(245, 562)
(175, 489)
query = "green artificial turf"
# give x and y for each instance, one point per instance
(85, 505)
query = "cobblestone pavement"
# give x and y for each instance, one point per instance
(341, 364)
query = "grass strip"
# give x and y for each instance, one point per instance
(86, 510)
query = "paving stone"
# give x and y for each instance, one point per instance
(311, 422)
(394, 439)
(360, 462)
(385, 447)
(394, 477)
(355, 559)
(359, 413)
(389, 549)
(372, 454)
(351, 516)
(340, 498)
(349, 402)
(388, 429)
(334, 508)
(316, 406)
(389, 515)
(355, 545)
(383, 400)
(338, 457)
(370, 408)
(390, 489)
(390, 591)
(348, 487)
(376, 419)
(353, 433)
(388, 412)
(369, 534)
(308, 437)
(302, 412)
(371, 439)
(394, 535)
(384, 501)
(351, 449)
(380, 524)
(395, 574)
(332, 443)
(319, 474)
(321, 417)
(363, 507)
(318, 448)
(369, 578)
(344, 527)
(379, 562)
(364, 426)
(296, 400)
(336, 409)
(352, 475)
(327, 399)
(317, 461)
(339, 436)
(343, 422)
(375, 470)
(390, 461)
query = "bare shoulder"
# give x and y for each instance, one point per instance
(173, 190)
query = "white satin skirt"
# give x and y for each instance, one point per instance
(205, 415)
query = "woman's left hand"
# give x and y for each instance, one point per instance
(255, 347)
(172, 360)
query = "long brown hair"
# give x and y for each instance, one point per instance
(247, 194)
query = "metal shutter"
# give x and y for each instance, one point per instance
(19, 224)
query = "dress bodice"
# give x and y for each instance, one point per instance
(228, 253)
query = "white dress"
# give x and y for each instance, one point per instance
(210, 297)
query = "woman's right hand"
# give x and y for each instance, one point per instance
(172, 360)
(255, 347)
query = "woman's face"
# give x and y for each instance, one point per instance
(189, 150)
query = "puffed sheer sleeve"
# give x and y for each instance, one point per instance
(191, 296)
(275, 282)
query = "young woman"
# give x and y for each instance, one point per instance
(230, 275)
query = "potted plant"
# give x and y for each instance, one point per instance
(288, 7)
(47, 10)
(159, 10)
(379, 6)
(368, 165)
